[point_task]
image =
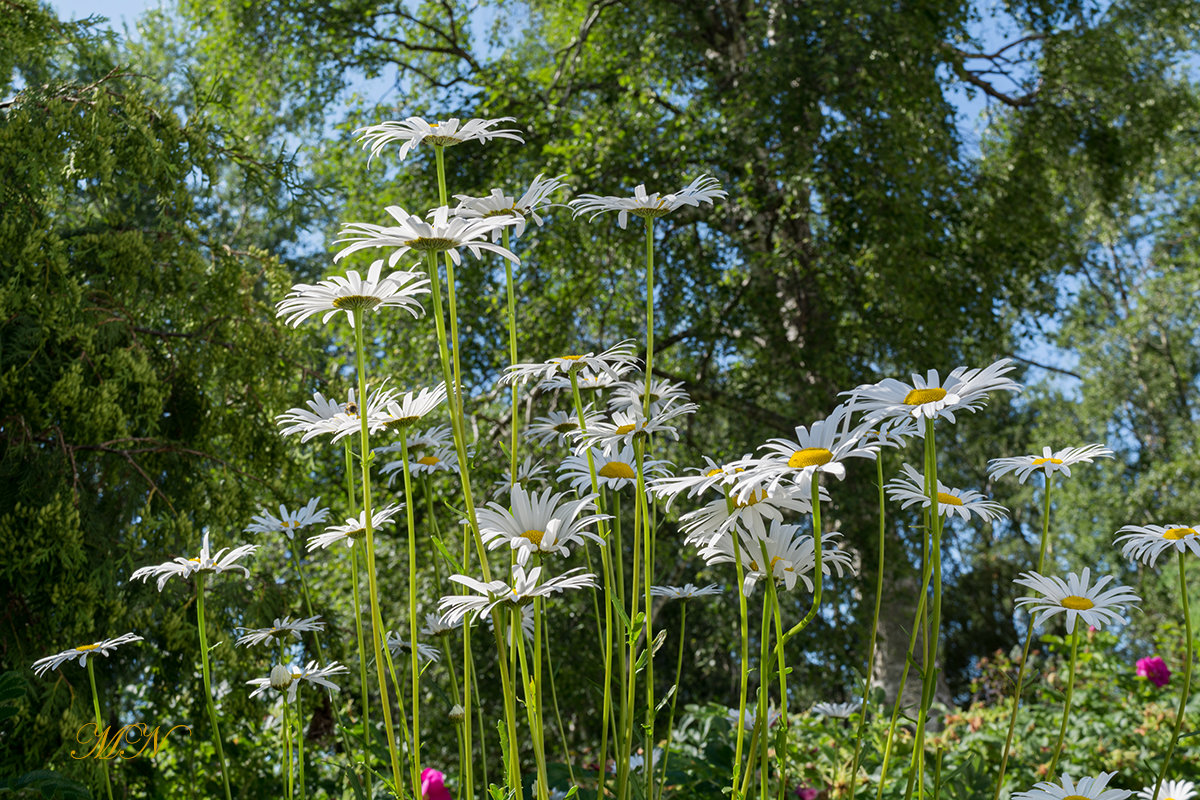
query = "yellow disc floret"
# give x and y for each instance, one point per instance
(618, 469)
(810, 457)
(919, 397)
(949, 499)
(1178, 533)
(1077, 603)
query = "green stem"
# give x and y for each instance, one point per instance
(674, 696)
(562, 731)
(99, 724)
(862, 720)
(1062, 730)
(1012, 719)
(409, 500)
(648, 572)
(761, 721)
(745, 656)
(649, 312)
(818, 569)
(352, 503)
(212, 709)
(300, 742)
(512, 355)
(781, 739)
(1187, 672)
(377, 629)
(287, 749)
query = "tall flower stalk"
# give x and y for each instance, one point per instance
(99, 724)
(862, 720)
(205, 674)
(1187, 673)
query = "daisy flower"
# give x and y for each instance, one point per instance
(528, 472)
(649, 206)
(352, 293)
(435, 626)
(627, 394)
(732, 715)
(625, 426)
(523, 588)
(613, 363)
(525, 620)
(288, 521)
(399, 646)
(892, 433)
(354, 527)
(1086, 789)
(1146, 543)
(315, 420)
(539, 523)
(835, 710)
(497, 204)
(613, 470)
(223, 561)
(964, 503)
(438, 461)
(791, 554)
(438, 437)
(585, 378)
(443, 234)
(279, 630)
(289, 678)
(1048, 462)
(685, 592)
(407, 409)
(100, 648)
(559, 426)
(1094, 604)
(930, 397)
(751, 515)
(445, 133)
(712, 475)
(1170, 790)
(821, 447)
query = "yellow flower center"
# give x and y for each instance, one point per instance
(86, 647)
(752, 499)
(356, 302)
(949, 499)
(534, 536)
(712, 472)
(624, 429)
(1178, 533)
(1037, 462)
(196, 559)
(810, 457)
(429, 461)
(570, 358)
(919, 397)
(1076, 603)
(617, 469)
(775, 561)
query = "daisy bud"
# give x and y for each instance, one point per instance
(457, 714)
(281, 677)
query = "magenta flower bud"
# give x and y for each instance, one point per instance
(1155, 670)
(433, 785)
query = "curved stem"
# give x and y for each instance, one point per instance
(99, 725)
(862, 720)
(1012, 719)
(1187, 673)
(208, 701)
(818, 569)
(377, 628)
(1062, 730)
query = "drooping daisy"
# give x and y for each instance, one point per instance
(791, 556)
(288, 521)
(280, 629)
(685, 592)
(354, 527)
(1170, 790)
(751, 515)
(628, 394)
(559, 426)
(435, 626)
(748, 721)
(399, 646)
(587, 381)
(539, 523)
(626, 426)
(964, 503)
(1047, 463)
(930, 397)
(820, 447)
(1146, 543)
(893, 433)
(614, 471)
(310, 672)
(711, 476)
(529, 472)
(445, 133)
(1087, 789)
(613, 363)
(835, 710)
(1094, 604)
(100, 648)
(223, 561)
(443, 233)
(438, 437)
(352, 293)
(649, 206)
(497, 204)
(523, 588)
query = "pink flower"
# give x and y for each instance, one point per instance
(433, 785)
(806, 793)
(1154, 669)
